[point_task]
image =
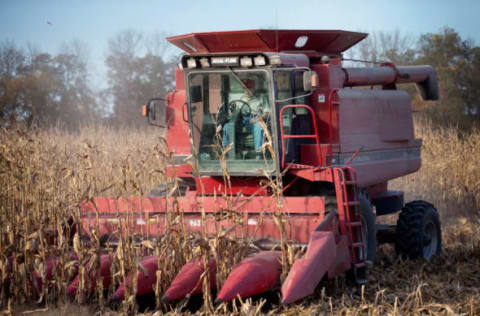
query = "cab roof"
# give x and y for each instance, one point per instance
(316, 42)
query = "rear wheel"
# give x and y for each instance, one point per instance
(367, 217)
(368, 223)
(369, 236)
(368, 226)
(418, 231)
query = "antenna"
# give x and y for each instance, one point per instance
(276, 30)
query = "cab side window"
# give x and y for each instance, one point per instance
(297, 121)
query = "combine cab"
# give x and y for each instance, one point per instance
(284, 149)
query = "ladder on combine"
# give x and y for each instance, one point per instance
(349, 212)
(347, 191)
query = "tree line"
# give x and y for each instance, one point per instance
(41, 89)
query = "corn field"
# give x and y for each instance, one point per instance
(45, 175)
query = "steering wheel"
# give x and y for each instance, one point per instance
(245, 108)
(223, 115)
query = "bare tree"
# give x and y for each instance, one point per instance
(32, 52)
(137, 71)
(11, 58)
(78, 48)
(156, 44)
(126, 43)
(382, 46)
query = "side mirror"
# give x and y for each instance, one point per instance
(155, 111)
(310, 81)
(195, 94)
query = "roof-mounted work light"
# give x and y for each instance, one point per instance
(204, 62)
(191, 63)
(246, 61)
(260, 60)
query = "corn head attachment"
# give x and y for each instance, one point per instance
(254, 219)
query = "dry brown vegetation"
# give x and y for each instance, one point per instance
(44, 176)
(449, 176)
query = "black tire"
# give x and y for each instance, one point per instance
(419, 232)
(370, 234)
(368, 223)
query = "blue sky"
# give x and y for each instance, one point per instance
(93, 22)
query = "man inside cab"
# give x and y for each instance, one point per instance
(253, 107)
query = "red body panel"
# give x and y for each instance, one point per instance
(307, 272)
(146, 279)
(177, 129)
(379, 124)
(252, 276)
(146, 216)
(189, 279)
(238, 185)
(51, 265)
(37, 278)
(181, 170)
(325, 41)
(91, 277)
(327, 254)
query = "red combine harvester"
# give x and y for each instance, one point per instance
(259, 106)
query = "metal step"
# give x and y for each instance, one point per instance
(361, 281)
(300, 136)
(360, 265)
(296, 166)
(357, 244)
(355, 224)
(352, 203)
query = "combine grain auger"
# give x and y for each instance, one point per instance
(278, 105)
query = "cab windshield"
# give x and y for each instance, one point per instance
(230, 117)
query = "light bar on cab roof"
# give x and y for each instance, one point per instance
(204, 62)
(275, 60)
(191, 63)
(260, 60)
(246, 61)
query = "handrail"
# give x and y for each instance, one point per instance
(312, 113)
(330, 124)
